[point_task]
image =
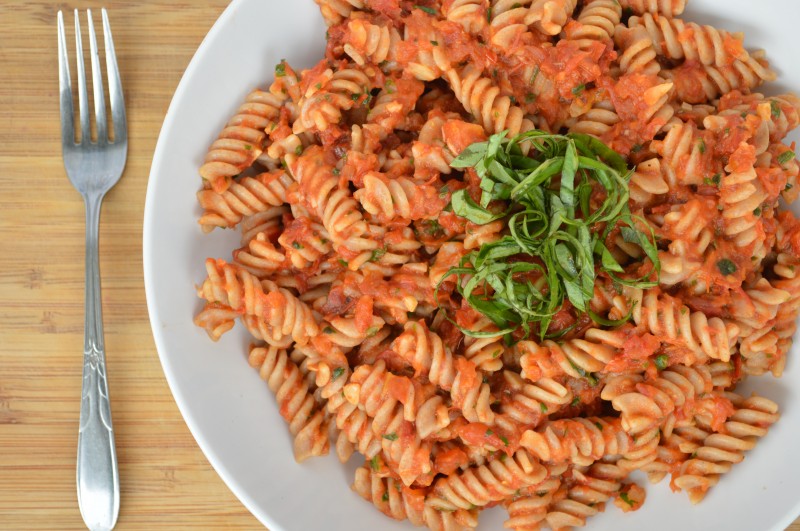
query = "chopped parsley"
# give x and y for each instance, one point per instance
(624, 497)
(726, 266)
(775, 108)
(785, 157)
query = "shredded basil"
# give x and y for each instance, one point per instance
(550, 219)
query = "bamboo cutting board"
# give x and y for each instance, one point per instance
(166, 481)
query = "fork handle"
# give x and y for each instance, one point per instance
(97, 472)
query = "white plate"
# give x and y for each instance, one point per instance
(229, 409)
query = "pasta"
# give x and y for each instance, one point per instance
(433, 280)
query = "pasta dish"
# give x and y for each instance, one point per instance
(512, 251)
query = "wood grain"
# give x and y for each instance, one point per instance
(166, 481)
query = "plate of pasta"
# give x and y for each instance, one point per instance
(490, 263)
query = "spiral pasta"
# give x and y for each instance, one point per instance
(638, 52)
(678, 40)
(400, 503)
(719, 451)
(550, 16)
(307, 422)
(479, 486)
(278, 316)
(471, 14)
(482, 99)
(597, 21)
(335, 11)
(244, 197)
(241, 141)
(427, 354)
(370, 42)
(667, 8)
(322, 104)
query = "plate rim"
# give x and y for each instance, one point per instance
(170, 120)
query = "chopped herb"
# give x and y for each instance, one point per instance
(374, 464)
(715, 180)
(489, 433)
(530, 97)
(355, 97)
(757, 211)
(390, 87)
(549, 217)
(297, 245)
(513, 100)
(505, 441)
(385, 496)
(775, 108)
(336, 172)
(580, 88)
(390, 436)
(624, 497)
(726, 266)
(543, 407)
(636, 148)
(428, 10)
(535, 74)
(599, 426)
(328, 330)
(576, 401)
(338, 371)
(435, 43)
(280, 69)
(248, 147)
(377, 254)
(701, 146)
(371, 331)
(318, 86)
(343, 263)
(785, 157)
(788, 186)
(662, 361)
(298, 150)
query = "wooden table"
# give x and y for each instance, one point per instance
(165, 479)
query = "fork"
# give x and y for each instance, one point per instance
(93, 167)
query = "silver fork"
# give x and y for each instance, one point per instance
(94, 167)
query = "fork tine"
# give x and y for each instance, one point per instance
(64, 86)
(97, 85)
(83, 98)
(114, 84)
